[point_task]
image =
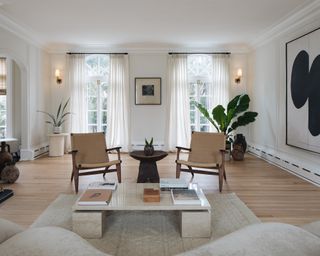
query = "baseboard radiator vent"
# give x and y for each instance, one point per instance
(40, 151)
(290, 166)
(140, 146)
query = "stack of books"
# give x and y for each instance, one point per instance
(95, 197)
(185, 196)
(170, 183)
(103, 185)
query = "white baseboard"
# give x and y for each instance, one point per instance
(35, 152)
(293, 166)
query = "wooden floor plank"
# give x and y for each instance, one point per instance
(271, 193)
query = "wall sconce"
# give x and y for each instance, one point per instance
(58, 76)
(239, 76)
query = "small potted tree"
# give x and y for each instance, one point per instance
(228, 120)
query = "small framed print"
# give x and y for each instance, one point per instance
(148, 90)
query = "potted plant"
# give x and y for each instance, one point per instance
(228, 120)
(148, 147)
(57, 120)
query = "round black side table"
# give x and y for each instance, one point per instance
(148, 171)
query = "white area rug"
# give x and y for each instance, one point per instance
(153, 233)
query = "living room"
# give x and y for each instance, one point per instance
(165, 57)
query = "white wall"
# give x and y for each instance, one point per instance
(33, 64)
(267, 87)
(148, 121)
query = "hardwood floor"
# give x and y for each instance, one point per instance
(271, 193)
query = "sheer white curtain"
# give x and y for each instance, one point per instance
(219, 87)
(118, 102)
(78, 92)
(179, 131)
(220, 79)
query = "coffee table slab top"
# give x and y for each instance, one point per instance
(129, 196)
(139, 155)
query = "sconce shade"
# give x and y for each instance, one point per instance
(57, 74)
(239, 72)
(239, 76)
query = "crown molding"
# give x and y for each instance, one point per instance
(235, 49)
(299, 17)
(20, 31)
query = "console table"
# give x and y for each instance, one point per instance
(148, 171)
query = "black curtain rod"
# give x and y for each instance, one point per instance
(124, 53)
(227, 53)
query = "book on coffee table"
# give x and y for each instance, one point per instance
(96, 197)
(171, 183)
(102, 185)
(185, 196)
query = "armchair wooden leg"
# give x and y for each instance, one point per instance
(224, 174)
(76, 179)
(118, 166)
(221, 175)
(72, 173)
(178, 171)
(104, 174)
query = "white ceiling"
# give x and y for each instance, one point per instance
(126, 24)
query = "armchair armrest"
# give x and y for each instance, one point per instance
(115, 148)
(179, 150)
(182, 148)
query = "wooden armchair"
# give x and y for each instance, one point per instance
(206, 152)
(89, 151)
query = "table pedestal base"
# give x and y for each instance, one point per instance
(148, 172)
(88, 224)
(195, 223)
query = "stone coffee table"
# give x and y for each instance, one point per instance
(195, 220)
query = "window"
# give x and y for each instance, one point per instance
(3, 97)
(97, 73)
(200, 82)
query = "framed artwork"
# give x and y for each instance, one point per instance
(303, 92)
(148, 90)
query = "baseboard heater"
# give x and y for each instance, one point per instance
(139, 146)
(291, 167)
(38, 152)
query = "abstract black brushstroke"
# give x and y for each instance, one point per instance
(305, 85)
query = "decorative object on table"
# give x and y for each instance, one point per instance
(148, 171)
(224, 119)
(60, 117)
(207, 151)
(148, 147)
(303, 92)
(151, 195)
(10, 173)
(148, 90)
(5, 194)
(237, 152)
(239, 139)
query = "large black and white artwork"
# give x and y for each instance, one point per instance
(303, 92)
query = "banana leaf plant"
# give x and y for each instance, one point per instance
(228, 120)
(61, 115)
